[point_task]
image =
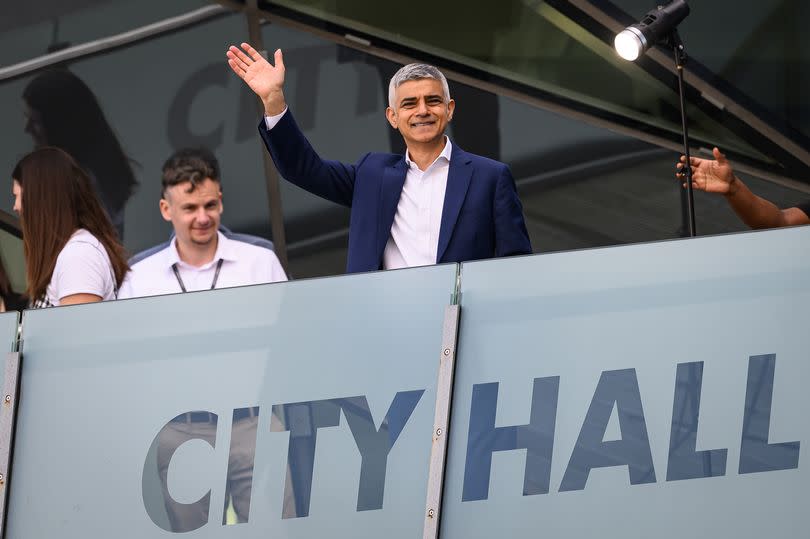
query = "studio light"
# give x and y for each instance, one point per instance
(656, 26)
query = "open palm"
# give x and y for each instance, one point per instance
(712, 176)
(263, 78)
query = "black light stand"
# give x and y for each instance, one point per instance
(675, 42)
(660, 25)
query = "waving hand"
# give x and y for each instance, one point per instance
(266, 80)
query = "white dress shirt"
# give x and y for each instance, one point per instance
(414, 239)
(242, 264)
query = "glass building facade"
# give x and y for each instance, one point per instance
(591, 139)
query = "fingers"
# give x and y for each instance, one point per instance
(235, 62)
(237, 68)
(693, 161)
(699, 184)
(247, 56)
(234, 52)
(719, 157)
(252, 52)
(679, 169)
(695, 185)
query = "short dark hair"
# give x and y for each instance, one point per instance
(189, 165)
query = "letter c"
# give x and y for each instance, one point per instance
(182, 517)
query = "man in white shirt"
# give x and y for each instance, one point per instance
(199, 257)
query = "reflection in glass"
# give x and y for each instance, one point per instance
(62, 111)
(756, 453)
(303, 419)
(239, 483)
(183, 517)
(539, 45)
(684, 461)
(202, 425)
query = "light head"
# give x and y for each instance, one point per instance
(657, 25)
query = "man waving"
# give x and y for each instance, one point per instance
(437, 203)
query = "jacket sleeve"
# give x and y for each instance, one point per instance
(511, 236)
(299, 163)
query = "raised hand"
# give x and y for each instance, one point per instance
(712, 176)
(266, 80)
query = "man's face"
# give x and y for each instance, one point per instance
(420, 111)
(194, 215)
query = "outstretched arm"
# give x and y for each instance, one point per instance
(717, 176)
(266, 80)
(294, 157)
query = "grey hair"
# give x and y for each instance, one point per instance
(416, 72)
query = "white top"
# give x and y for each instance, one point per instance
(242, 264)
(82, 267)
(414, 239)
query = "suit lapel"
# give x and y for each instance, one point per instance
(458, 180)
(390, 191)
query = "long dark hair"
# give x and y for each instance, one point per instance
(57, 200)
(71, 119)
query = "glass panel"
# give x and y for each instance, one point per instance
(251, 378)
(11, 256)
(187, 98)
(629, 198)
(581, 185)
(633, 392)
(38, 28)
(9, 321)
(762, 51)
(8, 334)
(532, 43)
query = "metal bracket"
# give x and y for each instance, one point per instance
(441, 422)
(8, 418)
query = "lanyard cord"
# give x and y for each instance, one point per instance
(180, 279)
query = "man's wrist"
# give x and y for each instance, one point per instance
(274, 103)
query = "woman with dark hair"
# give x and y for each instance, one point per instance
(72, 253)
(62, 111)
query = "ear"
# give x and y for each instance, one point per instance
(451, 106)
(221, 207)
(391, 116)
(164, 209)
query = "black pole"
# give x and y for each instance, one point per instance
(680, 60)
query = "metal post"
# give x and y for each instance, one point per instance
(441, 422)
(270, 174)
(8, 419)
(680, 60)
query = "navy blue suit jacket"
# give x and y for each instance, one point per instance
(482, 216)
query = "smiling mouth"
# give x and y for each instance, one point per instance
(422, 124)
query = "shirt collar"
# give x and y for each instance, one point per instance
(225, 251)
(446, 153)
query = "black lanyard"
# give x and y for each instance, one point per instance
(180, 279)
